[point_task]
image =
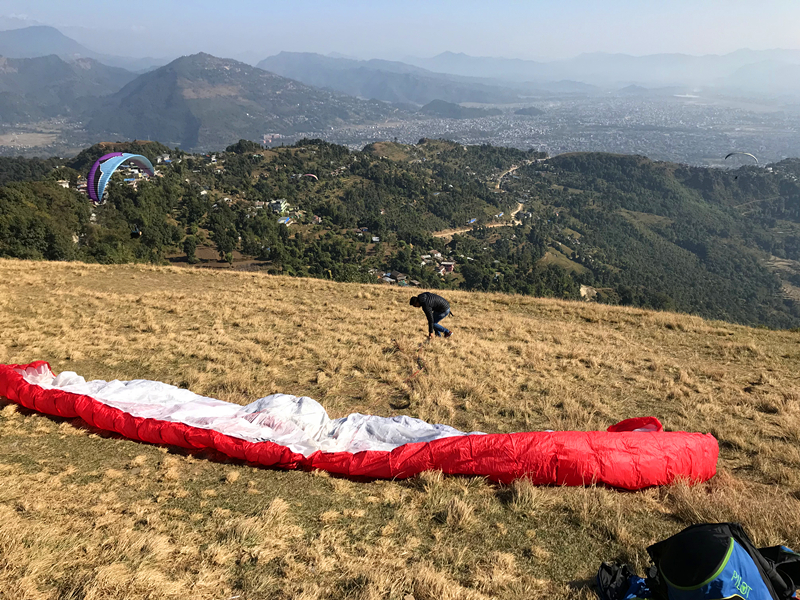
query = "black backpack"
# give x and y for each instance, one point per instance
(718, 560)
(617, 582)
(710, 561)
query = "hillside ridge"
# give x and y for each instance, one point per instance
(723, 244)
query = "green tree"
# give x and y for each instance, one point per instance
(190, 248)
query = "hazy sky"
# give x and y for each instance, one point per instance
(532, 29)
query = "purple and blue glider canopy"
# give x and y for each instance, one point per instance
(104, 168)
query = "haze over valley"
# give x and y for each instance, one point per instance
(57, 96)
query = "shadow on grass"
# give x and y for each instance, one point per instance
(207, 454)
(578, 585)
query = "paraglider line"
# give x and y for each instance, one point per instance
(420, 362)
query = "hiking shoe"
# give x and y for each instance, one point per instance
(448, 334)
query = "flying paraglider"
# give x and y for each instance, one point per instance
(311, 175)
(743, 153)
(104, 168)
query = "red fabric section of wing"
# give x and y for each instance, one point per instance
(620, 457)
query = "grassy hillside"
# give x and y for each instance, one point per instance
(84, 514)
(719, 244)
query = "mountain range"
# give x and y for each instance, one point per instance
(201, 101)
(40, 40)
(45, 87)
(385, 80)
(615, 70)
(459, 77)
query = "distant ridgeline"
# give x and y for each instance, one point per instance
(449, 110)
(624, 229)
(529, 111)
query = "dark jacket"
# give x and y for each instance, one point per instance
(432, 304)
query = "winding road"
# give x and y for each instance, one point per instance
(452, 232)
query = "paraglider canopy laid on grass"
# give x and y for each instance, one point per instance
(293, 432)
(104, 168)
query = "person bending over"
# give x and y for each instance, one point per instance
(435, 308)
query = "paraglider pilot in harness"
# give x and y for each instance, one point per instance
(435, 308)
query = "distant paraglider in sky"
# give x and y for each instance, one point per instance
(311, 175)
(104, 168)
(744, 154)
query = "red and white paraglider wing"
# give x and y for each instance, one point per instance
(296, 433)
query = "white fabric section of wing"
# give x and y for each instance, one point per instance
(299, 423)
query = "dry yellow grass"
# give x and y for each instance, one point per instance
(87, 515)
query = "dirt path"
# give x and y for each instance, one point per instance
(511, 170)
(756, 201)
(452, 232)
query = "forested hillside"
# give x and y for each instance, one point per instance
(616, 229)
(204, 102)
(47, 87)
(688, 239)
